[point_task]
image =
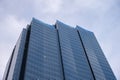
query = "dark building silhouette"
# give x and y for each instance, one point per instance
(57, 52)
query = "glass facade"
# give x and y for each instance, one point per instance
(14, 64)
(74, 60)
(57, 52)
(43, 59)
(99, 64)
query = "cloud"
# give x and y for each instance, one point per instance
(99, 16)
(111, 48)
(47, 6)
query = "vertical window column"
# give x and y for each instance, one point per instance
(86, 55)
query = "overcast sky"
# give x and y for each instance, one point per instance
(100, 16)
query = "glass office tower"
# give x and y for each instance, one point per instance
(57, 52)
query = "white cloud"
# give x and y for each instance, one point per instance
(48, 6)
(99, 16)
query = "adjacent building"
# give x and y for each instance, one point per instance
(57, 52)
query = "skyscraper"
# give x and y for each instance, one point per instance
(57, 52)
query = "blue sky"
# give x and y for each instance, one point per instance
(100, 16)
